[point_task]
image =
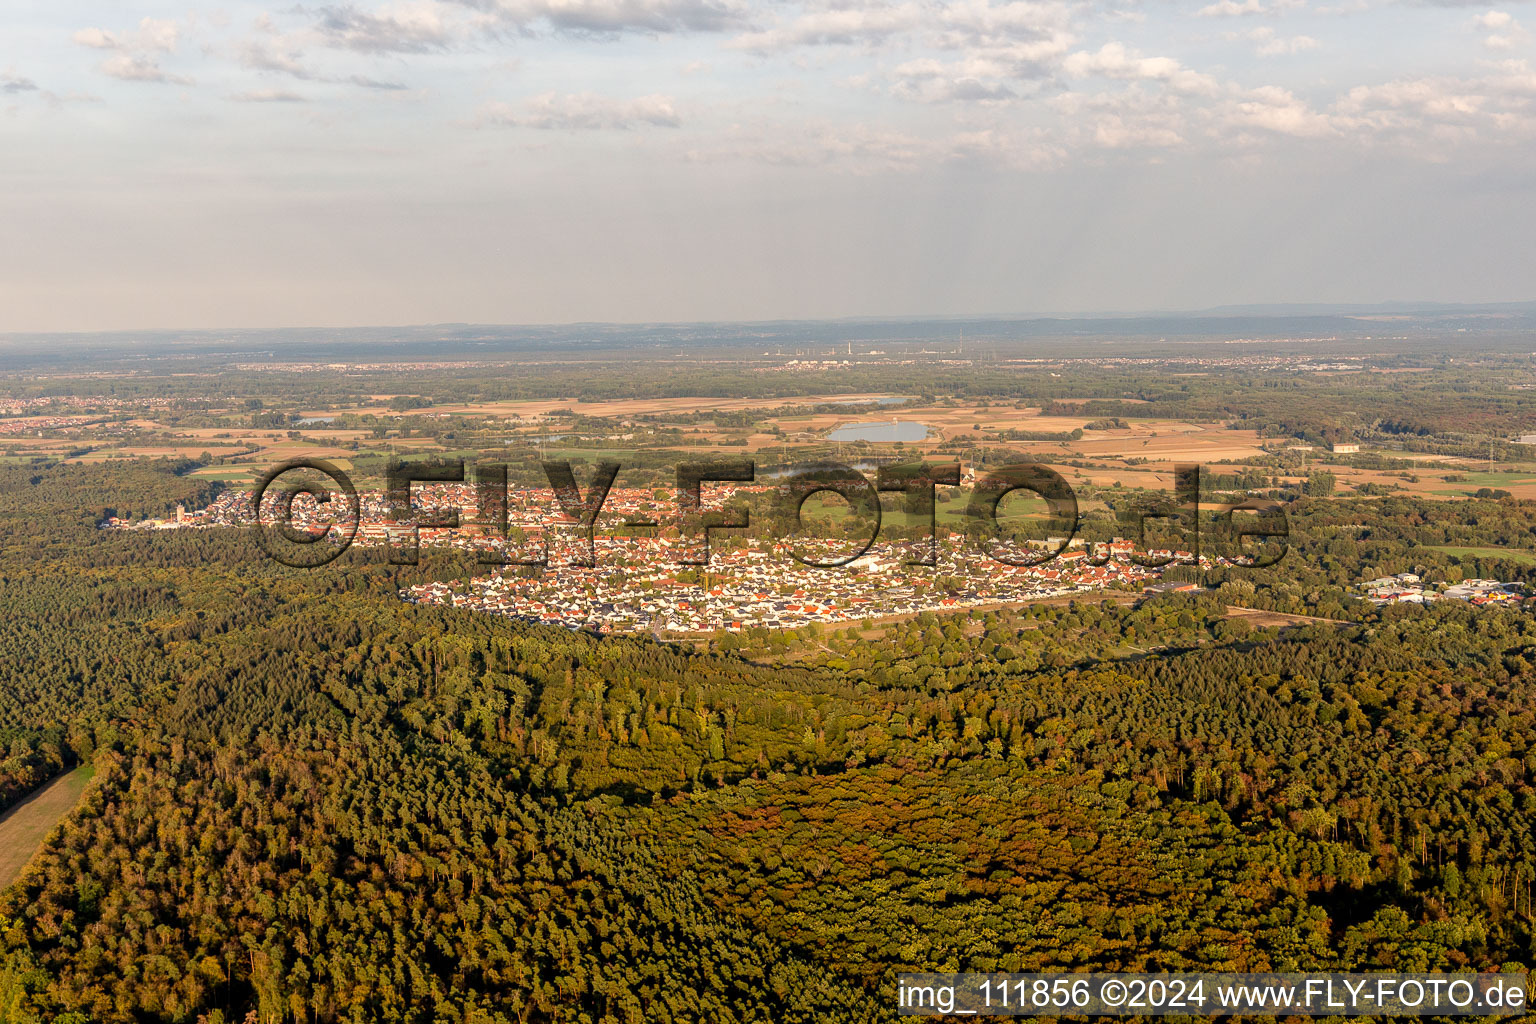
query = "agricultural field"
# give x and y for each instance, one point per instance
(24, 826)
(1527, 557)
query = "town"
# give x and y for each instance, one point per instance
(628, 579)
(648, 584)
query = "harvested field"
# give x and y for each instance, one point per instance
(25, 826)
(1262, 619)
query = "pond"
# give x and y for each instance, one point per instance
(892, 430)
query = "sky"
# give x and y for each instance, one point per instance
(243, 164)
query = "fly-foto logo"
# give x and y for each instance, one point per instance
(1248, 534)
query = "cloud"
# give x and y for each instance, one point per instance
(582, 112)
(273, 55)
(58, 100)
(281, 53)
(405, 28)
(1231, 9)
(1276, 110)
(1417, 108)
(373, 83)
(134, 68)
(1504, 31)
(10, 85)
(611, 17)
(850, 26)
(95, 38)
(153, 36)
(1019, 86)
(1113, 60)
(979, 52)
(984, 74)
(1114, 132)
(1039, 27)
(135, 54)
(1280, 46)
(268, 96)
(932, 81)
(1270, 44)
(973, 23)
(1018, 151)
(1132, 118)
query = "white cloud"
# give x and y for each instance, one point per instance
(582, 112)
(417, 27)
(1438, 117)
(267, 55)
(134, 68)
(984, 74)
(1132, 118)
(1022, 151)
(1271, 44)
(1113, 60)
(1280, 45)
(1505, 33)
(970, 23)
(931, 81)
(95, 38)
(1016, 38)
(284, 53)
(1038, 70)
(152, 36)
(1231, 9)
(1424, 97)
(364, 82)
(994, 46)
(1114, 132)
(610, 17)
(268, 96)
(136, 54)
(1276, 110)
(849, 26)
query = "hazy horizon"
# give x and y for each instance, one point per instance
(1243, 311)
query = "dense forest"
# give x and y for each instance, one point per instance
(316, 802)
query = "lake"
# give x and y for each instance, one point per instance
(892, 430)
